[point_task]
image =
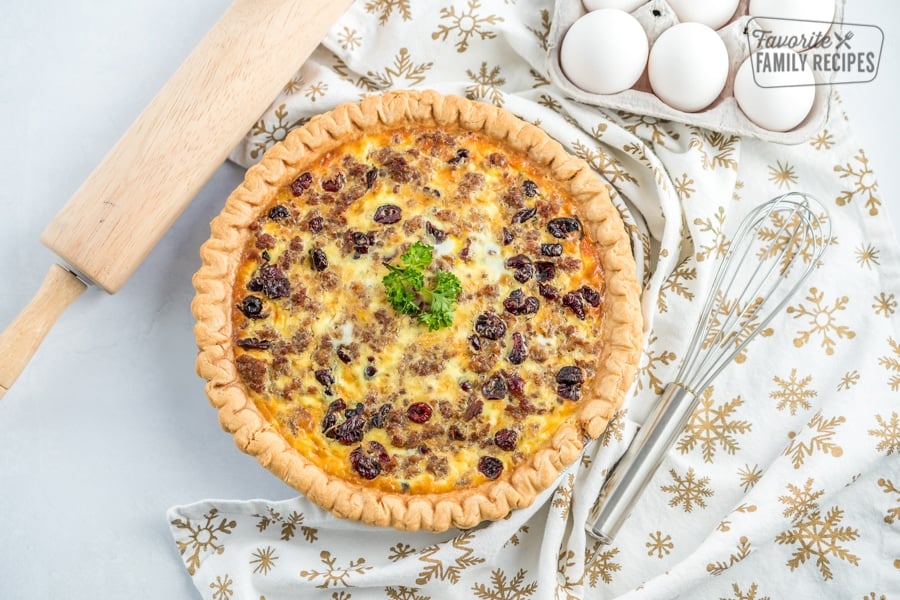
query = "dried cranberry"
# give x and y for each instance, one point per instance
(548, 291)
(507, 237)
(518, 352)
(561, 227)
(573, 302)
(318, 258)
(590, 295)
(490, 467)
(279, 211)
(475, 342)
(418, 412)
(570, 375)
(316, 224)
(551, 250)
(343, 354)
(252, 307)
(255, 285)
(369, 372)
(335, 183)
(330, 419)
(506, 439)
(324, 377)
(465, 386)
(524, 215)
(371, 177)
(366, 466)
(265, 255)
(274, 282)
(361, 242)
(522, 267)
(494, 388)
(518, 304)
(490, 326)
(379, 419)
(530, 188)
(351, 431)
(301, 184)
(359, 409)
(388, 214)
(438, 234)
(569, 391)
(461, 155)
(515, 384)
(544, 270)
(253, 343)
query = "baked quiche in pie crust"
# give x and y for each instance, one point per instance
(416, 310)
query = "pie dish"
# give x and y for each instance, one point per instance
(416, 310)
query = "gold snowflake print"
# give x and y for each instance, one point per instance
(822, 320)
(893, 514)
(221, 587)
(885, 304)
(654, 130)
(562, 498)
(783, 241)
(399, 551)
(600, 566)
(710, 426)
(823, 141)
(749, 476)
(334, 575)
(860, 176)
(725, 524)
(792, 392)
(849, 379)
(349, 39)
(746, 325)
(677, 283)
(502, 587)
(386, 9)
(437, 568)
(465, 24)
(867, 255)
(743, 551)
(486, 85)
(716, 149)
(783, 175)
(814, 534)
(750, 594)
(402, 73)
(568, 585)
(602, 162)
(684, 187)
(659, 544)
(293, 85)
(892, 364)
(888, 434)
(714, 227)
(650, 362)
(268, 133)
(263, 560)
(822, 440)
(738, 186)
(404, 593)
(316, 90)
(688, 491)
(289, 524)
(615, 427)
(543, 34)
(202, 538)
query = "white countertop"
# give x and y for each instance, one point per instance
(109, 425)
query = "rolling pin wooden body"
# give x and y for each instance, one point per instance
(171, 150)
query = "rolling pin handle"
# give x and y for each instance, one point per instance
(21, 339)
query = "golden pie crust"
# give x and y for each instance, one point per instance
(225, 254)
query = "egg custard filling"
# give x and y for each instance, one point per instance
(419, 311)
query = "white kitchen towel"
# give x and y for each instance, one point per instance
(785, 482)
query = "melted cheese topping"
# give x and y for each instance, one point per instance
(336, 369)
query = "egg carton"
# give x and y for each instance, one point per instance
(724, 114)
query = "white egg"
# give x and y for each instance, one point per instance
(714, 13)
(628, 5)
(783, 19)
(604, 52)
(688, 66)
(775, 89)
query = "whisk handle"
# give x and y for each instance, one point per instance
(628, 479)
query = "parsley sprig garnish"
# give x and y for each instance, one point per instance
(407, 294)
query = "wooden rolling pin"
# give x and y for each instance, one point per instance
(154, 171)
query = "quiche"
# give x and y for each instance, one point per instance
(416, 310)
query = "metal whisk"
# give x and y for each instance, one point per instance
(776, 247)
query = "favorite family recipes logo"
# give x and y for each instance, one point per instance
(794, 52)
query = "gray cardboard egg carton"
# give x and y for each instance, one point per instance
(723, 114)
